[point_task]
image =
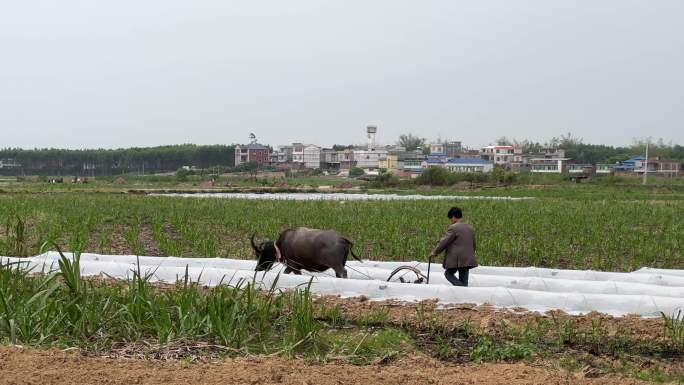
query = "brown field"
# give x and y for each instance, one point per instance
(31, 366)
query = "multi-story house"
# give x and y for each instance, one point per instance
(548, 161)
(346, 158)
(298, 153)
(253, 152)
(330, 160)
(311, 157)
(437, 149)
(453, 149)
(501, 155)
(369, 159)
(390, 163)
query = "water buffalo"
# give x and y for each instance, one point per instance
(305, 249)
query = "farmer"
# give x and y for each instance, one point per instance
(459, 244)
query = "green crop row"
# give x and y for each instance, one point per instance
(596, 234)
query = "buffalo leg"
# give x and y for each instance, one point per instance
(340, 272)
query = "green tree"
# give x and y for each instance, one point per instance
(51, 161)
(504, 141)
(411, 142)
(251, 167)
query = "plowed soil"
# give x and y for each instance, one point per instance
(488, 318)
(30, 366)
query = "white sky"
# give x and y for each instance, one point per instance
(125, 73)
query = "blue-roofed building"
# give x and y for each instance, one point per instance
(434, 161)
(633, 164)
(469, 165)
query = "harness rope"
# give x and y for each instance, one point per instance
(285, 261)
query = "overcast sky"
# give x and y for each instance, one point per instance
(83, 74)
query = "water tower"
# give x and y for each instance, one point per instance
(371, 131)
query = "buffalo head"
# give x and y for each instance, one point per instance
(265, 253)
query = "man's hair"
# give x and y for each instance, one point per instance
(455, 212)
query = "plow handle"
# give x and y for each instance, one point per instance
(429, 263)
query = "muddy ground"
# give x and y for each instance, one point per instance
(30, 366)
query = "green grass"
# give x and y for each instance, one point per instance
(62, 309)
(365, 346)
(604, 234)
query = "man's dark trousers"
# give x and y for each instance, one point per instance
(462, 279)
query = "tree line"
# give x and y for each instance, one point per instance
(99, 162)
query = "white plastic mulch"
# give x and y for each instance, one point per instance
(646, 292)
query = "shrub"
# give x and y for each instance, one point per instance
(354, 172)
(385, 179)
(182, 175)
(436, 177)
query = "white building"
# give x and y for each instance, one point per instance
(282, 155)
(311, 156)
(437, 149)
(369, 159)
(502, 155)
(469, 165)
(549, 165)
(298, 152)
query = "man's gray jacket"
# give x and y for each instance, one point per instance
(459, 244)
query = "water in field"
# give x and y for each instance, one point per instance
(338, 196)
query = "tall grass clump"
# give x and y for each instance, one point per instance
(674, 330)
(63, 309)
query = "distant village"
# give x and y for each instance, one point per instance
(409, 158)
(450, 155)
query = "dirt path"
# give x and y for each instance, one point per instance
(31, 366)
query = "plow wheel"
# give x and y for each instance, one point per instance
(414, 275)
